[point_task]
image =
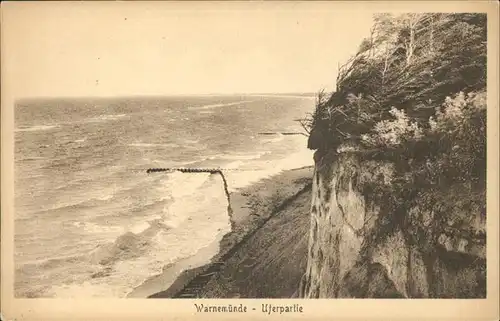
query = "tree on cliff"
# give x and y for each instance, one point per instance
(412, 71)
(415, 95)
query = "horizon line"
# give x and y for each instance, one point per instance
(305, 94)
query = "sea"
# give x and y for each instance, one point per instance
(90, 222)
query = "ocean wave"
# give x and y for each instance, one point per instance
(194, 204)
(248, 156)
(165, 163)
(191, 141)
(132, 244)
(49, 263)
(35, 128)
(90, 174)
(196, 217)
(93, 228)
(182, 184)
(87, 289)
(141, 221)
(263, 169)
(105, 197)
(72, 205)
(34, 158)
(234, 165)
(97, 119)
(210, 106)
(78, 203)
(127, 246)
(140, 227)
(278, 138)
(160, 190)
(103, 118)
(148, 145)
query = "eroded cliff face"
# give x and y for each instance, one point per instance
(359, 246)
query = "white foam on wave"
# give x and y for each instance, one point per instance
(247, 156)
(49, 260)
(202, 219)
(87, 176)
(184, 184)
(87, 289)
(196, 218)
(151, 145)
(169, 163)
(94, 228)
(96, 119)
(104, 118)
(145, 223)
(35, 128)
(82, 193)
(260, 169)
(183, 189)
(210, 106)
(105, 197)
(77, 197)
(34, 158)
(234, 165)
(140, 227)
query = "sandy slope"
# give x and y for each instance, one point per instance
(272, 261)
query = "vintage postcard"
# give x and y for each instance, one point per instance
(249, 160)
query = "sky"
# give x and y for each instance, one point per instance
(126, 49)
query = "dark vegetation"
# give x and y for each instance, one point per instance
(417, 77)
(414, 97)
(415, 93)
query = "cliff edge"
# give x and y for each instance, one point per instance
(399, 190)
(360, 247)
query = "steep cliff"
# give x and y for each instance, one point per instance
(399, 190)
(364, 247)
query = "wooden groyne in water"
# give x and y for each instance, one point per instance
(284, 133)
(187, 170)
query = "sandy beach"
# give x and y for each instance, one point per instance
(252, 250)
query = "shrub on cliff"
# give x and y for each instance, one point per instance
(410, 62)
(414, 94)
(416, 86)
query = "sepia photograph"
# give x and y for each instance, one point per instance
(247, 151)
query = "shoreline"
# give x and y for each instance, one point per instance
(252, 206)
